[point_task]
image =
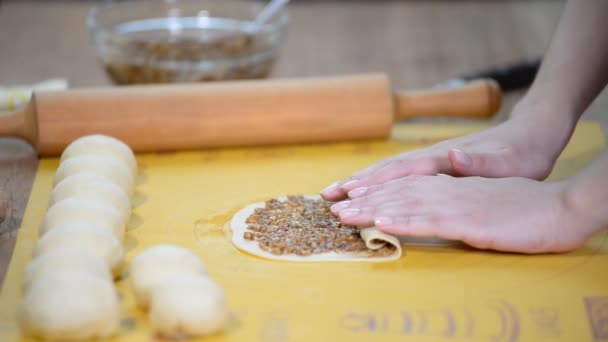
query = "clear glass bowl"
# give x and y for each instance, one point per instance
(165, 41)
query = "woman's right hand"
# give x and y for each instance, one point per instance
(519, 147)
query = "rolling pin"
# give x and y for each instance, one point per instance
(239, 113)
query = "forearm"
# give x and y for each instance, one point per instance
(587, 194)
(575, 67)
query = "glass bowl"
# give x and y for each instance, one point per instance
(165, 41)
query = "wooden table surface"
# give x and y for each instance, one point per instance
(418, 43)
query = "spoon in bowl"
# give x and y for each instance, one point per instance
(272, 8)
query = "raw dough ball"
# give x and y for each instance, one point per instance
(157, 263)
(188, 304)
(91, 185)
(84, 209)
(93, 238)
(106, 166)
(98, 144)
(70, 305)
(61, 259)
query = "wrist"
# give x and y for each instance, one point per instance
(580, 202)
(543, 103)
(544, 109)
(549, 128)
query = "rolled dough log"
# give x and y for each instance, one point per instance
(188, 304)
(84, 209)
(374, 239)
(158, 263)
(98, 144)
(92, 185)
(70, 305)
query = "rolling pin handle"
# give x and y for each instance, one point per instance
(479, 99)
(19, 124)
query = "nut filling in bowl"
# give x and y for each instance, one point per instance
(305, 226)
(159, 41)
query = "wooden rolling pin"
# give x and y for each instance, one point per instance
(187, 116)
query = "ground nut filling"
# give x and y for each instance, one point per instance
(305, 226)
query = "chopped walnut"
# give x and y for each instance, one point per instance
(304, 226)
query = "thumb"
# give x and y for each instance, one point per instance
(480, 164)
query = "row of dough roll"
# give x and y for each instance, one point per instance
(68, 286)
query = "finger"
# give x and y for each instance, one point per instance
(389, 171)
(363, 211)
(397, 169)
(376, 166)
(377, 195)
(363, 217)
(338, 207)
(419, 225)
(391, 197)
(358, 192)
(333, 192)
(486, 164)
(384, 191)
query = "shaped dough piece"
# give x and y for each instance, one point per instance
(158, 263)
(108, 167)
(188, 304)
(61, 259)
(96, 240)
(373, 238)
(91, 185)
(70, 305)
(103, 145)
(84, 209)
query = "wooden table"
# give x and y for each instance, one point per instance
(418, 43)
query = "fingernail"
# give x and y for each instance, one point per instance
(462, 157)
(339, 206)
(383, 220)
(357, 192)
(349, 212)
(351, 184)
(330, 188)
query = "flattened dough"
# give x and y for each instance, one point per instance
(374, 239)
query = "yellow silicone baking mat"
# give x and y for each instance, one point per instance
(436, 292)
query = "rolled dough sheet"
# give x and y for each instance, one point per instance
(374, 239)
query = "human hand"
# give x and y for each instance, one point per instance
(506, 214)
(515, 148)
